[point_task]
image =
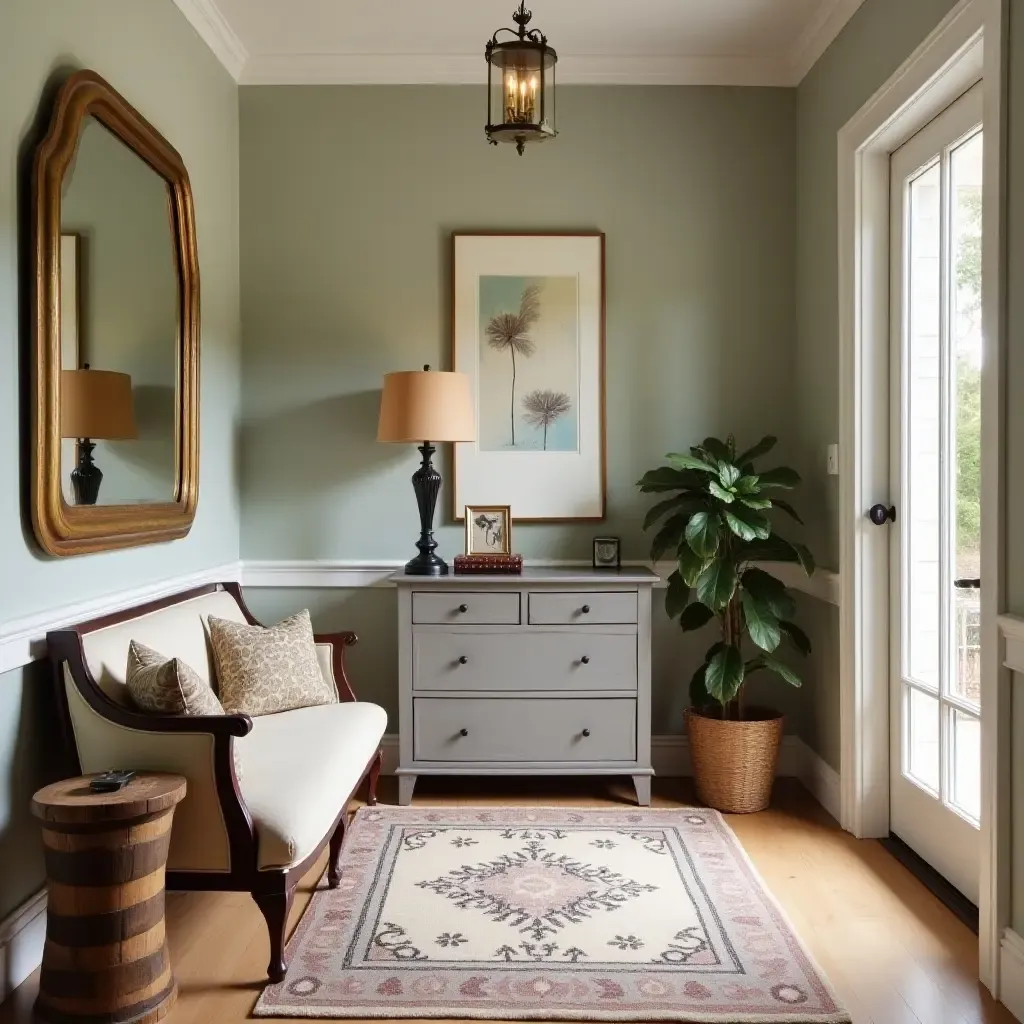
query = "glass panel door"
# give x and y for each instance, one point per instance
(936, 343)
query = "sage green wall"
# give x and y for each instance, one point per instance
(147, 50)
(874, 43)
(349, 195)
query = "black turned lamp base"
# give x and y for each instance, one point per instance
(426, 565)
(426, 482)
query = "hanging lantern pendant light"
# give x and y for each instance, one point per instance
(520, 85)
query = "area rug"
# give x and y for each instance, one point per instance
(548, 914)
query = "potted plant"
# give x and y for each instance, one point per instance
(719, 532)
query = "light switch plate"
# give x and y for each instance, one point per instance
(833, 460)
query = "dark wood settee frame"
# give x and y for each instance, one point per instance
(272, 889)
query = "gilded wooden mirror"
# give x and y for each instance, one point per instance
(116, 383)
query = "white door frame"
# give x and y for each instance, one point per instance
(967, 47)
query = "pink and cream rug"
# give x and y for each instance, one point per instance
(548, 914)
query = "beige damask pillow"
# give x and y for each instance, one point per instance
(167, 686)
(263, 671)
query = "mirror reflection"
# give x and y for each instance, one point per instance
(119, 327)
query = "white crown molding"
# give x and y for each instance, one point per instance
(214, 29)
(466, 69)
(23, 641)
(352, 573)
(828, 21)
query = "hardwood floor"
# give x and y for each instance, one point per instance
(893, 952)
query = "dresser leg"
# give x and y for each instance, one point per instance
(642, 785)
(406, 784)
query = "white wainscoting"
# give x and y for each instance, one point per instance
(1011, 973)
(24, 640)
(22, 934)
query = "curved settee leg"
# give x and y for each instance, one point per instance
(371, 795)
(334, 858)
(276, 907)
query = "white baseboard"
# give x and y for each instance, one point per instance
(22, 934)
(1011, 973)
(670, 758)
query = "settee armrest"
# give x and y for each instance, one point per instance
(330, 651)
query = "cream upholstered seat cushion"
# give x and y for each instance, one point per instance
(262, 671)
(167, 686)
(298, 766)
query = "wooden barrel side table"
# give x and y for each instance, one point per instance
(105, 960)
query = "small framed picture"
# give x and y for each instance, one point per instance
(488, 530)
(606, 553)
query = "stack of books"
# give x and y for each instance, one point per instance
(504, 565)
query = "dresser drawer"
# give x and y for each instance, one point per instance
(581, 609)
(465, 608)
(522, 661)
(496, 729)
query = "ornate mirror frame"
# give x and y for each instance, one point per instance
(60, 528)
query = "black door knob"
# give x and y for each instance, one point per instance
(463, 608)
(463, 659)
(585, 609)
(463, 732)
(880, 515)
(585, 660)
(586, 732)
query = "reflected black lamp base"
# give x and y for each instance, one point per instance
(86, 476)
(426, 482)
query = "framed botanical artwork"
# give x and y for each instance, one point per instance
(528, 330)
(488, 530)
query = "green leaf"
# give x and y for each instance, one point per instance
(762, 623)
(699, 696)
(787, 508)
(804, 557)
(801, 641)
(676, 596)
(695, 616)
(771, 549)
(681, 461)
(683, 502)
(768, 590)
(773, 665)
(765, 445)
(747, 523)
(782, 477)
(702, 533)
(690, 565)
(669, 537)
(666, 478)
(717, 449)
(761, 504)
(724, 675)
(728, 474)
(716, 585)
(721, 493)
(747, 484)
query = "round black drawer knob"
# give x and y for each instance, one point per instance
(463, 732)
(463, 608)
(463, 659)
(586, 732)
(585, 609)
(585, 660)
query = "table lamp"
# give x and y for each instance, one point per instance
(95, 405)
(421, 404)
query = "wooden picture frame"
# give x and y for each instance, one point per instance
(528, 329)
(67, 529)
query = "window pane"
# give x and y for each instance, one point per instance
(922, 463)
(922, 731)
(965, 764)
(966, 179)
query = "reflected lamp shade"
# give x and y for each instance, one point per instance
(424, 406)
(96, 404)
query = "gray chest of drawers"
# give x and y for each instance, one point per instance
(547, 673)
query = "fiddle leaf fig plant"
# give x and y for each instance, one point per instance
(716, 527)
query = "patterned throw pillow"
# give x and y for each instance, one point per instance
(167, 686)
(263, 671)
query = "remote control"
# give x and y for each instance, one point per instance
(111, 782)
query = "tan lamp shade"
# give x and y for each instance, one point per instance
(96, 404)
(426, 405)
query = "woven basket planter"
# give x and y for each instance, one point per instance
(734, 762)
